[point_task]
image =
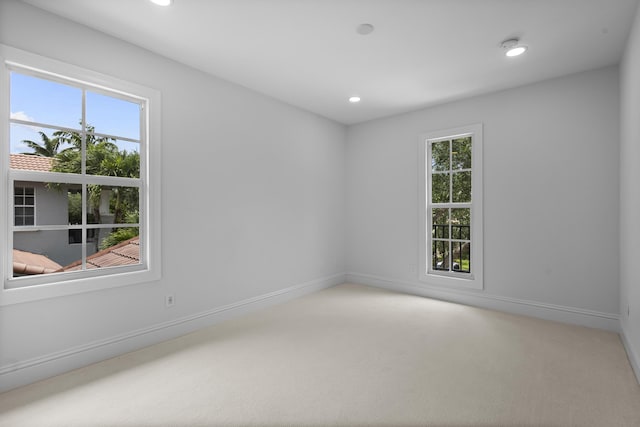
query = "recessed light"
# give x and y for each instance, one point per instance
(162, 2)
(364, 29)
(513, 47)
(354, 99)
(516, 51)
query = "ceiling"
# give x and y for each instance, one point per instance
(307, 53)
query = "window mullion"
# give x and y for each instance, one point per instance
(83, 134)
(450, 203)
(83, 245)
(449, 238)
(450, 171)
(83, 172)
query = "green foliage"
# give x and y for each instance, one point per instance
(103, 158)
(75, 207)
(461, 153)
(440, 156)
(120, 235)
(440, 188)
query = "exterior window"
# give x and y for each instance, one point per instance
(85, 149)
(24, 206)
(451, 212)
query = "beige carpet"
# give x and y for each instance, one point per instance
(351, 355)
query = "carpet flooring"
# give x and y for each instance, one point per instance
(351, 356)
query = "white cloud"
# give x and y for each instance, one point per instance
(21, 115)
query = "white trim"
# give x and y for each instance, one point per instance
(69, 178)
(473, 280)
(6, 263)
(558, 313)
(63, 128)
(633, 357)
(28, 371)
(65, 73)
(149, 181)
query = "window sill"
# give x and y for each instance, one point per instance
(11, 294)
(452, 281)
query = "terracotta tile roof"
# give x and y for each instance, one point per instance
(124, 253)
(30, 162)
(30, 263)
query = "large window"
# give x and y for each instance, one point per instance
(451, 207)
(88, 146)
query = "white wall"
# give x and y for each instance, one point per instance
(252, 203)
(551, 157)
(630, 196)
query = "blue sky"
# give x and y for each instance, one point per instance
(52, 103)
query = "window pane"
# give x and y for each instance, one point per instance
(44, 101)
(461, 224)
(113, 205)
(54, 203)
(461, 257)
(19, 192)
(440, 156)
(75, 237)
(44, 251)
(440, 255)
(440, 188)
(113, 116)
(117, 247)
(461, 153)
(440, 223)
(74, 204)
(461, 187)
(24, 216)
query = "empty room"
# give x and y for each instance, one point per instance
(319, 213)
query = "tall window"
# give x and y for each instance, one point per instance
(451, 208)
(85, 149)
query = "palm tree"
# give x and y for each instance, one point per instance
(74, 139)
(48, 148)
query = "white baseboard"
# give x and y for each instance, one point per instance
(577, 316)
(32, 370)
(634, 359)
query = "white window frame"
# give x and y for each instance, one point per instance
(24, 289)
(474, 279)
